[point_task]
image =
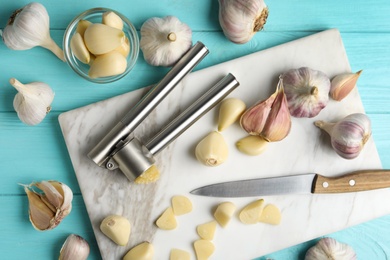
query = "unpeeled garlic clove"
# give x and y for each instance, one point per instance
(101, 38)
(74, 248)
(33, 101)
(79, 49)
(111, 19)
(143, 251)
(50, 206)
(252, 145)
(212, 150)
(330, 248)
(230, 111)
(342, 85)
(117, 228)
(109, 64)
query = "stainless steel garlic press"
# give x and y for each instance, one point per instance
(120, 149)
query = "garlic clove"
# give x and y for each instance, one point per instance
(101, 38)
(252, 145)
(109, 64)
(224, 212)
(143, 251)
(342, 85)
(230, 111)
(330, 248)
(252, 212)
(82, 25)
(203, 249)
(44, 211)
(181, 205)
(28, 27)
(74, 248)
(124, 48)
(111, 19)
(240, 20)
(79, 49)
(167, 220)
(212, 150)
(307, 91)
(164, 40)
(206, 231)
(349, 135)
(117, 228)
(33, 101)
(271, 215)
(178, 254)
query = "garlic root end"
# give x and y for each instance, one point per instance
(261, 20)
(171, 37)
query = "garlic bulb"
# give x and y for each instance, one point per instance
(241, 19)
(270, 118)
(307, 91)
(28, 27)
(33, 101)
(342, 85)
(349, 135)
(212, 150)
(50, 206)
(330, 249)
(164, 40)
(74, 248)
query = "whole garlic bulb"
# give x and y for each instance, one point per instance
(28, 27)
(307, 91)
(50, 206)
(349, 135)
(330, 249)
(241, 19)
(164, 40)
(33, 101)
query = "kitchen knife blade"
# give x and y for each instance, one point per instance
(306, 183)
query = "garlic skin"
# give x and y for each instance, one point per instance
(330, 249)
(28, 27)
(241, 19)
(74, 248)
(269, 118)
(349, 135)
(307, 91)
(164, 40)
(49, 206)
(212, 150)
(342, 85)
(33, 101)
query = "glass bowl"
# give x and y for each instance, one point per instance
(95, 16)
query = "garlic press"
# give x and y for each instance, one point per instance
(120, 149)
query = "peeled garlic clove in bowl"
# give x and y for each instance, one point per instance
(241, 19)
(164, 40)
(307, 91)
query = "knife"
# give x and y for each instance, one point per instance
(306, 183)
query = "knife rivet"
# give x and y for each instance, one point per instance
(325, 184)
(352, 183)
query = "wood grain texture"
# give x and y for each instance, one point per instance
(36, 153)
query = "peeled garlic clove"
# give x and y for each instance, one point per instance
(109, 64)
(164, 40)
(117, 228)
(167, 220)
(143, 251)
(101, 38)
(203, 249)
(212, 150)
(329, 248)
(230, 111)
(206, 231)
(241, 19)
(33, 101)
(251, 213)
(111, 19)
(307, 91)
(342, 85)
(181, 205)
(270, 215)
(44, 211)
(178, 254)
(74, 248)
(349, 135)
(82, 25)
(124, 48)
(224, 213)
(252, 145)
(79, 49)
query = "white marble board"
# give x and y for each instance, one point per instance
(306, 149)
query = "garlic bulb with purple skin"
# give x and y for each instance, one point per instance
(349, 135)
(330, 249)
(307, 91)
(270, 118)
(241, 19)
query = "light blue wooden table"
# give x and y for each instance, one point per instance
(38, 153)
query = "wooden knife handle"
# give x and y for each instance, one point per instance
(355, 181)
